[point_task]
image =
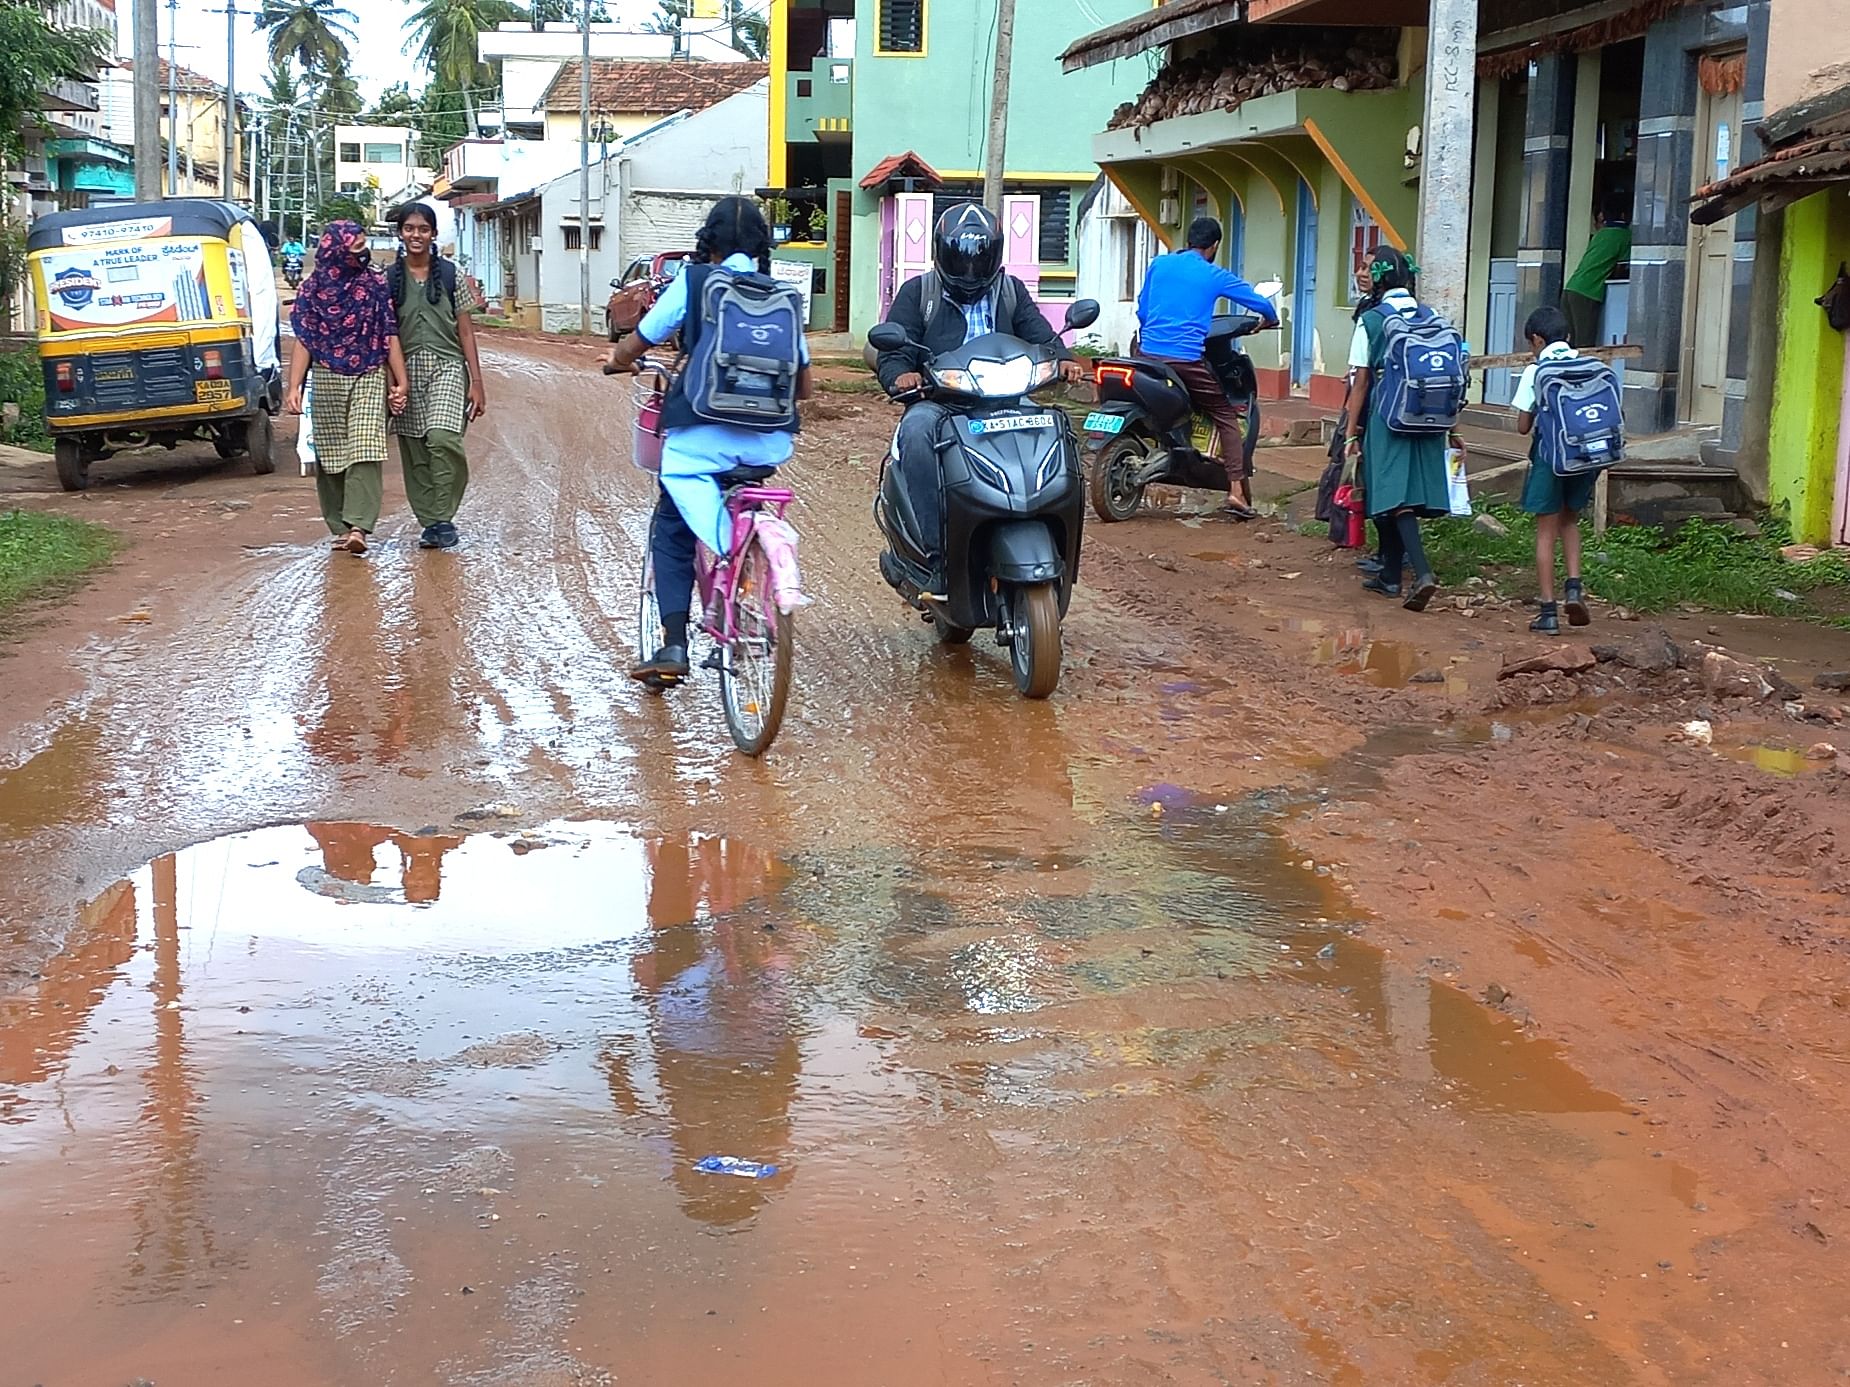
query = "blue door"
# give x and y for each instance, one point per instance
(1304, 290)
(1500, 331)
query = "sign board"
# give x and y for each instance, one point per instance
(799, 275)
(128, 283)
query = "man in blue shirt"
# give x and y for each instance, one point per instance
(1174, 312)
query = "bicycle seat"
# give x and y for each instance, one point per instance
(744, 476)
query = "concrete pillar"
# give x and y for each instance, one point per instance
(1660, 221)
(1547, 177)
(1444, 248)
(1735, 408)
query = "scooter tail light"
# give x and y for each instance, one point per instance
(67, 378)
(215, 365)
(1114, 372)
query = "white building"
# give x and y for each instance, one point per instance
(649, 195)
(530, 59)
(1114, 247)
(380, 158)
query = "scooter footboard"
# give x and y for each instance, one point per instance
(1023, 551)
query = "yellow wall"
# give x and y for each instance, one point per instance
(1808, 381)
(563, 125)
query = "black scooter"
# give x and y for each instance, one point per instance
(1146, 432)
(1013, 499)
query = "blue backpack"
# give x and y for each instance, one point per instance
(1579, 416)
(1423, 372)
(744, 350)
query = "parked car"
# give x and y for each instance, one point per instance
(642, 283)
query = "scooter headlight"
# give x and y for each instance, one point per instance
(1004, 380)
(963, 382)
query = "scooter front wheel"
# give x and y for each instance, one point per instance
(1034, 648)
(1116, 494)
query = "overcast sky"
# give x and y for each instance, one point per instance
(379, 56)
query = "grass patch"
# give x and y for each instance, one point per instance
(42, 554)
(1706, 565)
(22, 382)
(853, 385)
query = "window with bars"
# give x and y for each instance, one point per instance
(572, 237)
(1056, 229)
(902, 26)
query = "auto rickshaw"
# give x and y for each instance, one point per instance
(157, 323)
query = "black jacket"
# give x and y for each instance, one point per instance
(948, 326)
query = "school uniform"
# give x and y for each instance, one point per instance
(1544, 493)
(1400, 471)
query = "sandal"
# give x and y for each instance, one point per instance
(1232, 512)
(354, 543)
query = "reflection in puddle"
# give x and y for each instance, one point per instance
(1776, 760)
(1385, 664)
(434, 1059)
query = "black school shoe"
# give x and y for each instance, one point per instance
(1381, 585)
(1548, 623)
(1577, 613)
(1424, 587)
(430, 539)
(667, 669)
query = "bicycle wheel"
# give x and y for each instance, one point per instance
(754, 671)
(649, 614)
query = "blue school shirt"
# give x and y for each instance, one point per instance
(1176, 307)
(724, 446)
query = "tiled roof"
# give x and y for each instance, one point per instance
(1813, 152)
(189, 81)
(620, 87)
(907, 165)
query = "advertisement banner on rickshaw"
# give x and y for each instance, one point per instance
(127, 284)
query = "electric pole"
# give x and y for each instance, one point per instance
(228, 170)
(1445, 157)
(173, 97)
(997, 153)
(584, 177)
(147, 101)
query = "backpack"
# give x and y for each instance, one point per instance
(399, 281)
(931, 294)
(1579, 416)
(1423, 372)
(744, 338)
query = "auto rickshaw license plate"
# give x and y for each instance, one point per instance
(211, 391)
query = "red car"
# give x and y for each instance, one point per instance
(636, 292)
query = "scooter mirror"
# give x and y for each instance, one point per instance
(1081, 313)
(888, 337)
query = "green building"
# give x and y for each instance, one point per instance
(879, 117)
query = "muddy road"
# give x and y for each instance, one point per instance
(1271, 1006)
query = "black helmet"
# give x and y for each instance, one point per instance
(967, 251)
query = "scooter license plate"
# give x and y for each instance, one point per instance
(1104, 423)
(1010, 423)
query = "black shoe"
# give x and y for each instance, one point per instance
(668, 668)
(430, 538)
(447, 535)
(1547, 623)
(1577, 613)
(1424, 586)
(714, 660)
(1381, 585)
(1370, 566)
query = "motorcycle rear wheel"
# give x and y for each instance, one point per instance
(1114, 496)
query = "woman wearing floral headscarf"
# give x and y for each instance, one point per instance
(346, 330)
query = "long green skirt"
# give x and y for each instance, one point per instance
(1404, 471)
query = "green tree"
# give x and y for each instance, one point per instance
(394, 102)
(36, 56)
(345, 208)
(317, 34)
(748, 29)
(443, 120)
(567, 12)
(445, 33)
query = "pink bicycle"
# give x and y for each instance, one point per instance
(748, 600)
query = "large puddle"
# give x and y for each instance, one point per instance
(338, 1103)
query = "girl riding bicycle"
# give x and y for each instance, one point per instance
(697, 457)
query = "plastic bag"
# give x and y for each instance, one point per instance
(1458, 491)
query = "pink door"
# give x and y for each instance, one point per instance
(1021, 232)
(911, 238)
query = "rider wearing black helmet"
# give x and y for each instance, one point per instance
(966, 295)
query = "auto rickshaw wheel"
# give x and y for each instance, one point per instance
(73, 464)
(260, 442)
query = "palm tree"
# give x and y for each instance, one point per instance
(316, 33)
(445, 34)
(750, 31)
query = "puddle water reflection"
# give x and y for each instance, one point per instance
(343, 1068)
(1776, 760)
